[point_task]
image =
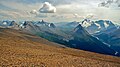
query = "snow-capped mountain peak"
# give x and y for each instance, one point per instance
(97, 26)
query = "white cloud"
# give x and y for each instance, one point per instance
(89, 16)
(110, 3)
(77, 15)
(67, 10)
(34, 12)
(47, 8)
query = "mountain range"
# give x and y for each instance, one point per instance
(73, 34)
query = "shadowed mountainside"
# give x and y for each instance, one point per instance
(22, 49)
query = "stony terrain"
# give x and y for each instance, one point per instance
(19, 49)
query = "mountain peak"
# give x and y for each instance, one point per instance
(42, 20)
(79, 29)
(87, 20)
(52, 25)
(79, 26)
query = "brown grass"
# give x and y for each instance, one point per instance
(19, 49)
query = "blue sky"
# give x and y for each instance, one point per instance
(59, 10)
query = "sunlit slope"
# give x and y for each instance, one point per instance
(22, 49)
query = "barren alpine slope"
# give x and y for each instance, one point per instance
(21, 49)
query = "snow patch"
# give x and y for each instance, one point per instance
(49, 25)
(4, 23)
(106, 24)
(86, 24)
(66, 40)
(116, 53)
(99, 27)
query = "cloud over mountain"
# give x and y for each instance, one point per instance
(47, 8)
